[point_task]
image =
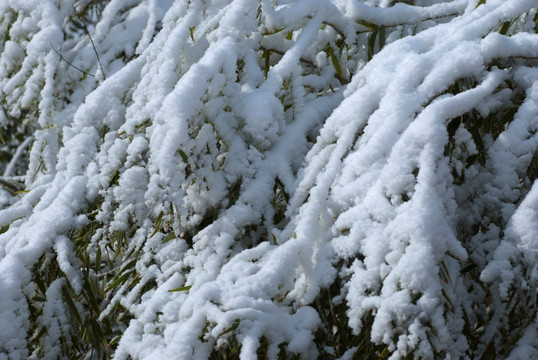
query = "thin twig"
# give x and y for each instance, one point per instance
(281, 53)
(338, 31)
(95, 50)
(68, 63)
(13, 187)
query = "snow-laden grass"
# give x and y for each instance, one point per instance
(263, 179)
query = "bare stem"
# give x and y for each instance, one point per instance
(68, 63)
(95, 50)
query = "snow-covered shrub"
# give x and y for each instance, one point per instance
(263, 179)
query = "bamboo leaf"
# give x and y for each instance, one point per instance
(267, 58)
(468, 268)
(183, 155)
(169, 237)
(183, 288)
(98, 259)
(371, 44)
(90, 296)
(157, 223)
(504, 28)
(71, 305)
(191, 30)
(481, 2)
(336, 64)
(118, 281)
(234, 326)
(381, 37)
(128, 266)
(367, 24)
(272, 32)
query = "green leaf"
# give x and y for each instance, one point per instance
(98, 333)
(272, 32)
(371, 44)
(381, 37)
(443, 292)
(98, 259)
(4, 228)
(183, 288)
(504, 28)
(129, 265)
(481, 2)
(367, 24)
(384, 353)
(168, 237)
(114, 178)
(105, 131)
(183, 155)
(90, 296)
(267, 58)
(157, 224)
(191, 30)
(115, 341)
(443, 272)
(234, 326)
(336, 64)
(143, 125)
(38, 336)
(71, 305)
(118, 281)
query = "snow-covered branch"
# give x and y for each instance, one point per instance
(328, 178)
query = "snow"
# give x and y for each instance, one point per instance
(197, 119)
